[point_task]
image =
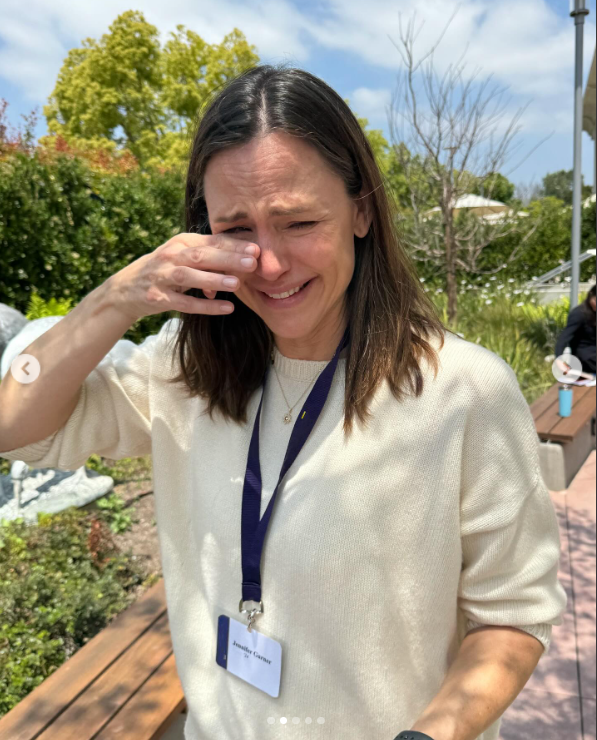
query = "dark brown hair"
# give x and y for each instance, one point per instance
(223, 358)
(588, 309)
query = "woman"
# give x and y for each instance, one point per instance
(579, 333)
(411, 511)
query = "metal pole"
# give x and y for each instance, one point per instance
(578, 13)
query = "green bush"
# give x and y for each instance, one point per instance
(515, 327)
(61, 582)
(65, 227)
(113, 512)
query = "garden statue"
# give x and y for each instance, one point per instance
(27, 492)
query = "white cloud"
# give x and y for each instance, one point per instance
(371, 104)
(525, 44)
(35, 37)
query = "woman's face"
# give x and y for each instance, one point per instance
(249, 191)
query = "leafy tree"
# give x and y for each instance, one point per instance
(496, 187)
(127, 91)
(559, 185)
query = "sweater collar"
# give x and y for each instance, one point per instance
(305, 370)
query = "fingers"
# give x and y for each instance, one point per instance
(189, 304)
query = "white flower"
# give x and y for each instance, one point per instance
(550, 358)
(516, 292)
(527, 292)
(500, 286)
(487, 285)
(520, 304)
(493, 278)
(422, 280)
(488, 301)
(511, 280)
(439, 290)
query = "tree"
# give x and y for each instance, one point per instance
(560, 184)
(450, 135)
(499, 186)
(126, 91)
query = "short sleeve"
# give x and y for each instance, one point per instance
(112, 417)
(509, 530)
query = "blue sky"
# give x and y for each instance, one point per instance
(527, 45)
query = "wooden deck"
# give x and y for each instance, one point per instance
(558, 703)
(121, 685)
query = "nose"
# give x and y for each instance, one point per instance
(272, 262)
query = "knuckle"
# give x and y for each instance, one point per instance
(178, 275)
(153, 296)
(197, 255)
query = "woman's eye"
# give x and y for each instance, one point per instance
(296, 225)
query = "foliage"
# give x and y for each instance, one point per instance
(61, 582)
(547, 246)
(560, 184)
(128, 91)
(39, 309)
(521, 332)
(126, 469)
(112, 510)
(65, 228)
(496, 187)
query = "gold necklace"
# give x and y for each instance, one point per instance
(288, 416)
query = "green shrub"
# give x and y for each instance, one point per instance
(515, 327)
(61, 582)
(65, 227)
(112, 509)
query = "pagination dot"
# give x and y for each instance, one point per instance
(308, 721)
(283, 720)
(320, 720)
(270, 720)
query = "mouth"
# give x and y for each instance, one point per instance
(291, 299)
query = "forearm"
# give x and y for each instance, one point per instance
(490, 670)
(67, 353)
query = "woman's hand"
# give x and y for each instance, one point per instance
(156, 282)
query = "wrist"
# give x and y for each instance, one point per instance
(107, 301)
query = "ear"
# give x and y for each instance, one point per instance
(362, 216)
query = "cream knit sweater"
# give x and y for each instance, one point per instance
(383, 551)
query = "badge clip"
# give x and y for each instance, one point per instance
(251, 612)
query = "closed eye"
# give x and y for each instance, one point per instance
(296, 225)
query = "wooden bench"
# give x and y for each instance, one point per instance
(121, 685)
(566, 442)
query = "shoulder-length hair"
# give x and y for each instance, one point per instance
(223, 358)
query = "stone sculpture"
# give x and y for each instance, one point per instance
(27, 492)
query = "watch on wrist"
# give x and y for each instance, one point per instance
(412, 735)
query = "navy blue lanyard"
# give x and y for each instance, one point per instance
(253, 530)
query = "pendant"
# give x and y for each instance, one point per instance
(287, 418)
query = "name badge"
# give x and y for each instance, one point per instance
(255, 658)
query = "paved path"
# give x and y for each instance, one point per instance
(558, 703)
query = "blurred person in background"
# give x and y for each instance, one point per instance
(579, 333)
